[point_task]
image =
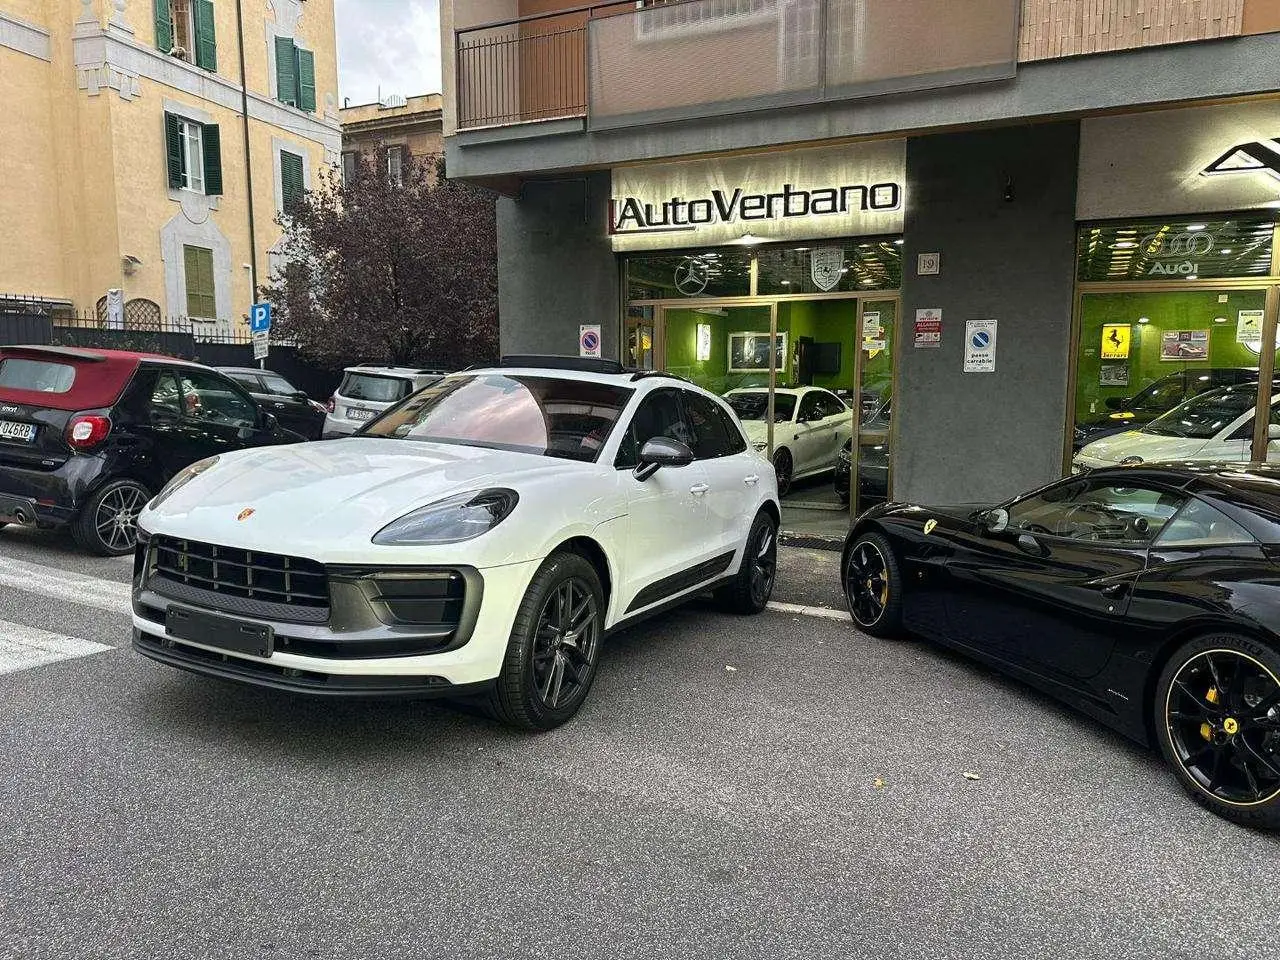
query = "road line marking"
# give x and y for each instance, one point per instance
(59, 584)
(825, 612)
(22, 648)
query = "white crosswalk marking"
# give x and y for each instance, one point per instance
(58, 584)
(24, 647)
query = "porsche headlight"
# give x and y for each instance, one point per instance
(453, 520)
(181, 479)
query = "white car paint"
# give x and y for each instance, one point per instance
(1233, 443)
(815, 445)
(325, 502)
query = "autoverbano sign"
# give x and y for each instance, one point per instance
(853, 190)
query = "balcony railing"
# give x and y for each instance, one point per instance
(618, 64)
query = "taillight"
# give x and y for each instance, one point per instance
(329, 404)
(87, 431)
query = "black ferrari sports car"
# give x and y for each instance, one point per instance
(1147, 597)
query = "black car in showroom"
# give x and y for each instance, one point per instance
(873, 458)
(1147, 597)
(1156, 399)
(88, 436)
(291, 406)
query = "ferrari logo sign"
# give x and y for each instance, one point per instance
(1115, 341)
(826, 266)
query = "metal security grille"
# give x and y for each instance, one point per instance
(238, 575)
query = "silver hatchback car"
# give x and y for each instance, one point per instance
(366, 391)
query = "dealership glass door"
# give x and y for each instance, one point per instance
(870, 455)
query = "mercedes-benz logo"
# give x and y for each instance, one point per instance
(692, 276)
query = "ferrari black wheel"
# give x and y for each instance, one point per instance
(1217, 719)
(873, 586)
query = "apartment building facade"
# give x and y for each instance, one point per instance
(399, 127)
(148, 146)
(949, 206)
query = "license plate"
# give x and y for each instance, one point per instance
(224, 633)
(356, 414)
(22, 432)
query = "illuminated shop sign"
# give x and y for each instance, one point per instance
(812, 194)
(1257, 156)
(678, 215)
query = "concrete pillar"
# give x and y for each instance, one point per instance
(999, 206)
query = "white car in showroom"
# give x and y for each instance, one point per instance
(1213, 426)
(478, 538)
(810, 427)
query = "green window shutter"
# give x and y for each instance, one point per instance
(198, 265)
(173, 149)
(307, 80)
(164, 26)
(206, 42)
(292, 181)
(286, 71)
(212, 159)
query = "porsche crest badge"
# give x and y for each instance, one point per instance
(245, 514)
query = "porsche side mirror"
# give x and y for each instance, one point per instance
(661, 452)
(994, 521)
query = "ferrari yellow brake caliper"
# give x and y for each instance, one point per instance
(1206, 731)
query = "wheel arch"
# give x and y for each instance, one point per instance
(1182, 635)
(773, 510)
(590, 550)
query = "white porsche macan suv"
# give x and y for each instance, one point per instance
(477, 539)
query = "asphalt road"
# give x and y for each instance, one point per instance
(774, 787)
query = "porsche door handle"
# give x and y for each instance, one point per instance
(698, 489)
(752, 480)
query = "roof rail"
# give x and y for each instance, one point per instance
(583, 364)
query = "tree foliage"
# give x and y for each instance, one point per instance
(380, 272)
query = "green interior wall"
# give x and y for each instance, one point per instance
(1190, 310)
(824, 321)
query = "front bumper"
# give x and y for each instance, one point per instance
(346, 655)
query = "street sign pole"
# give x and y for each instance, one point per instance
(260, 330)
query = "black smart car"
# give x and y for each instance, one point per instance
(292, 407)
(87, 437)
(1146, 597)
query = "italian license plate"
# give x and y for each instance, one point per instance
(21, 432)
(224, 633)
(357, 414)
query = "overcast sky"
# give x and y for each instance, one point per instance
(394, 44)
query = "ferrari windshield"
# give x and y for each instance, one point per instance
(754, 405)
(1205, 416)
(547, 416)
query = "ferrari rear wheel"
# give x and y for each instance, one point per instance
(873, 586)
(1217, 718)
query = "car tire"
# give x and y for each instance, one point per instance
(872, 581)
(751, 587)
(527, 694)
(107, 523)
(1223, 742)
(784, 467)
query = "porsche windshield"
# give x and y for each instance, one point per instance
(548, 416)
(754, 405)
(1205, 416)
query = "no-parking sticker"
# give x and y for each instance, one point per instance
(589, 341)
(980, 346)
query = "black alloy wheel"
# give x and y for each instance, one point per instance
(108, 522)
(783, 467)
(873, 586)
(564, 645)
(1219, 724)
(554, 646)
(748, 591)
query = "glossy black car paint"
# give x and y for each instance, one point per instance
(141, 446)
(293, 408)
(1089, 623)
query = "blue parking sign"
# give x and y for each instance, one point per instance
(260, 317)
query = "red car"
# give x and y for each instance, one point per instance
(88, 436)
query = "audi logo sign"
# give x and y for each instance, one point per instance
(1173, 246)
